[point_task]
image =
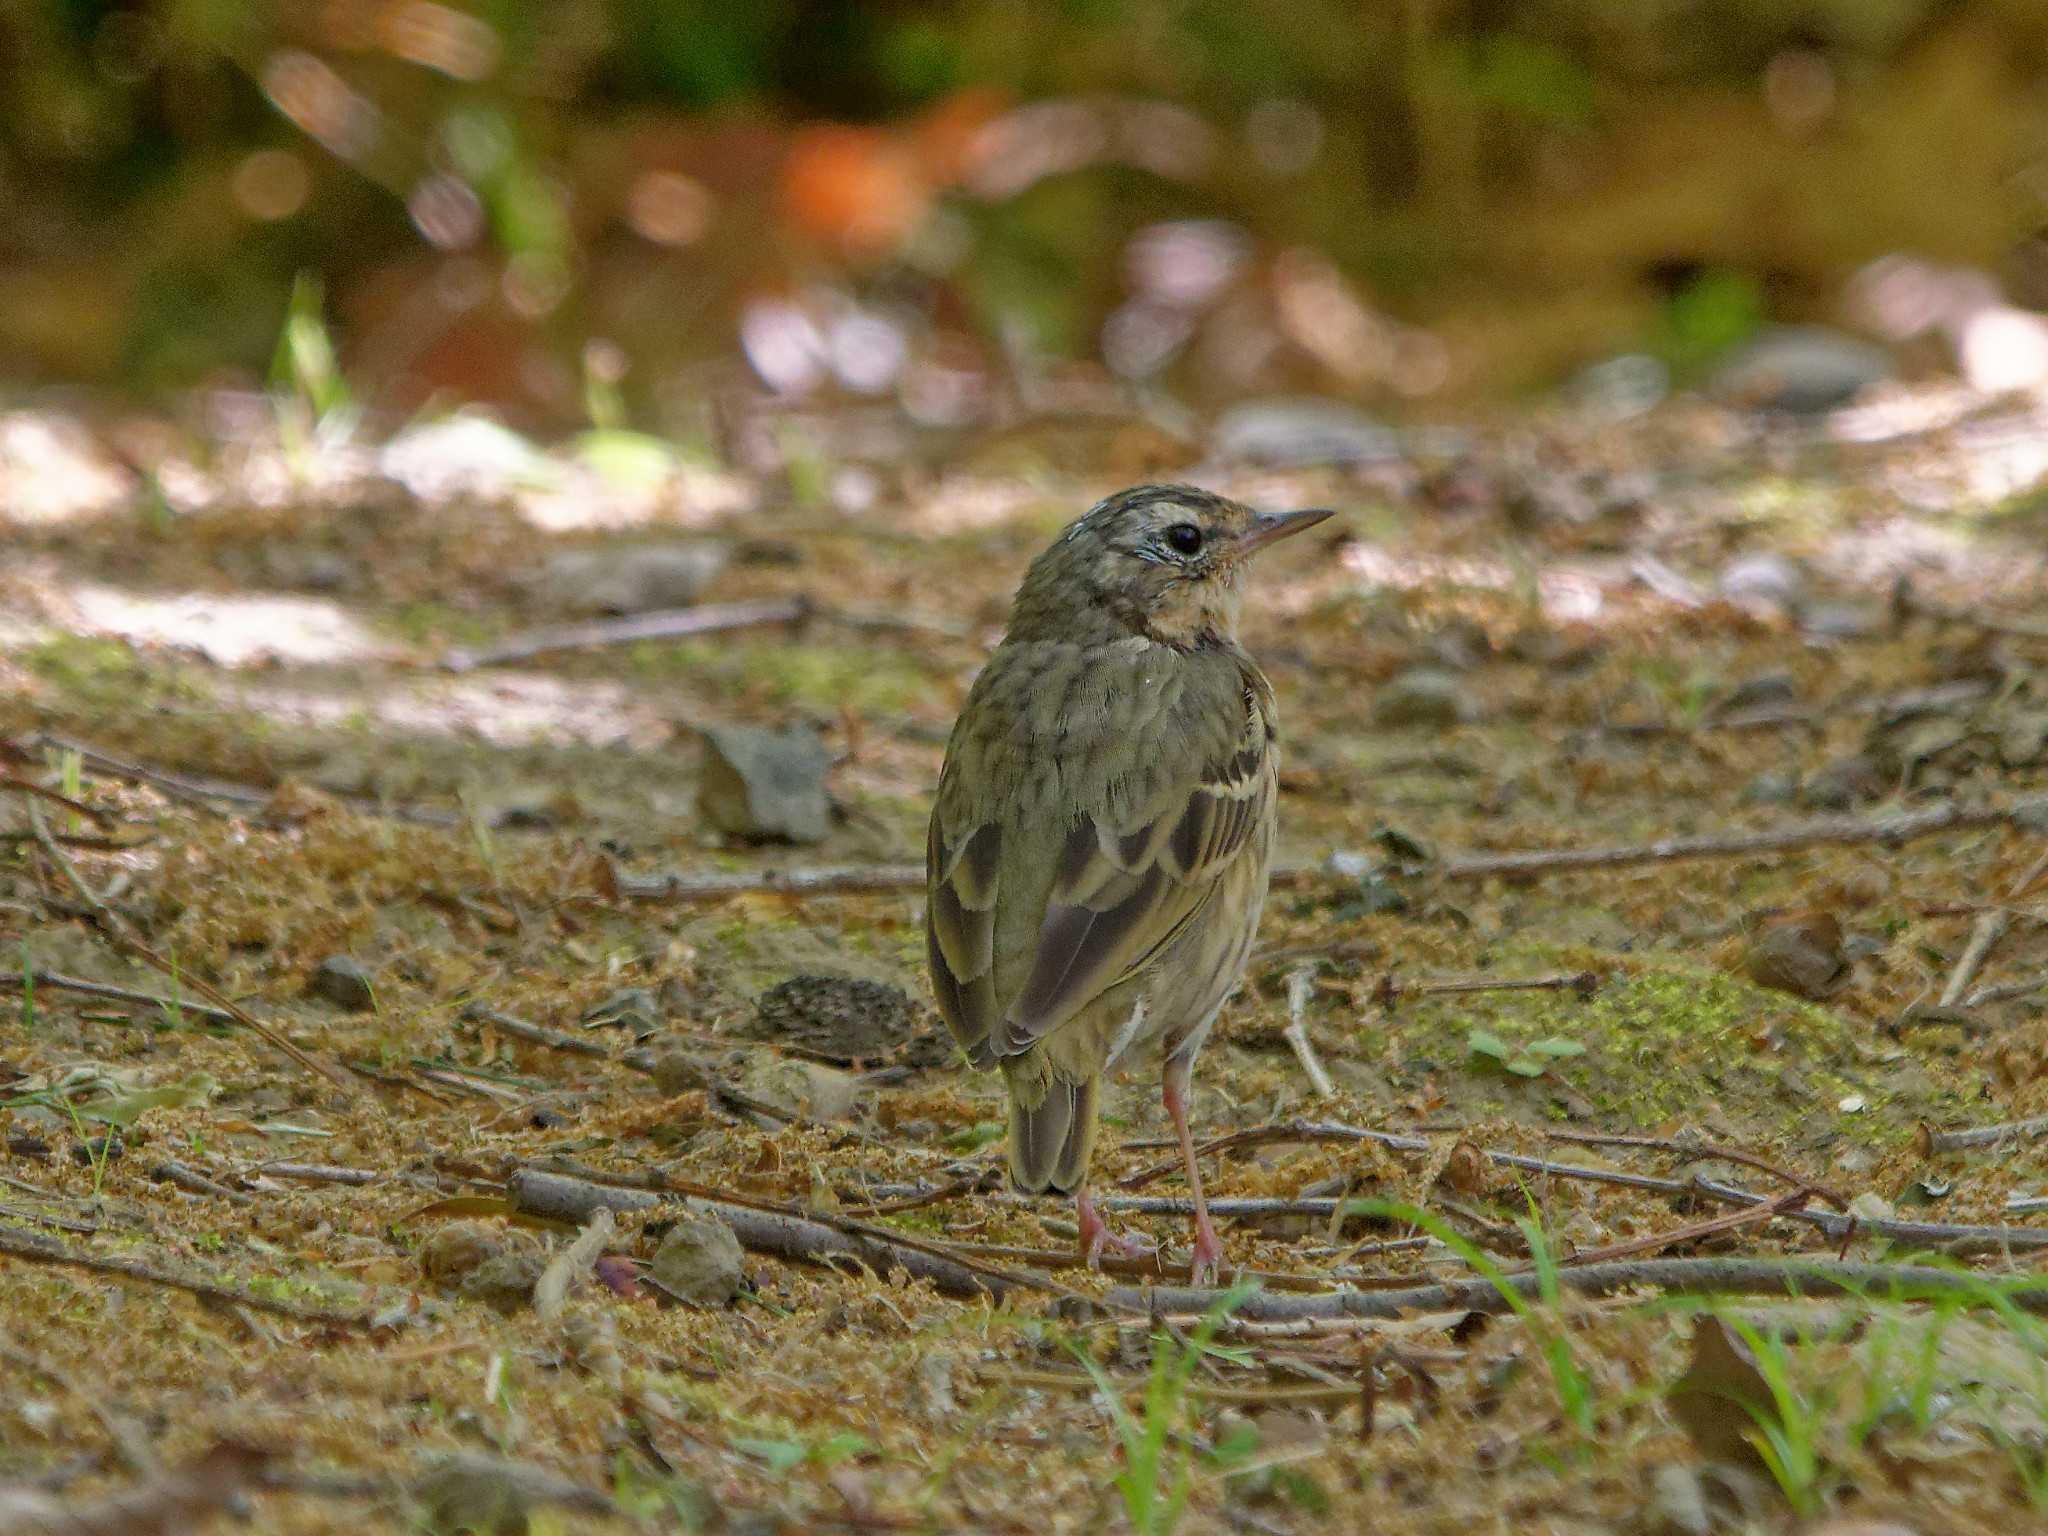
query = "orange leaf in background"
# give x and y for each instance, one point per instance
(945, 137)
(857, 189)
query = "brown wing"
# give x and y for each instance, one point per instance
(1123, 890)
(960, 925)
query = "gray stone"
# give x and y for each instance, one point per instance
(344, 982)
(1841, 621)
(1459, 646)
(1621, 387)
(1424, 696)
(482, 1262)
(2022, 740)
(1294, 433)
(1802, 957)
(700, 1261)
(803, 1090)
(631, 578)
(1778, 787)
(1762, 582)
(1799, 370)
(1759, 690)
(1842, 784)
(765, 786)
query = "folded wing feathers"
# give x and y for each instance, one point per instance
(1120, 894)
(960, 925)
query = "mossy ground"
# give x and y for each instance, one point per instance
(822, 1399)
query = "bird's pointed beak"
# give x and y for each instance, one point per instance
(1272, 527)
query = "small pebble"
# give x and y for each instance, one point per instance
(700, 1261)
(765, 786)
(1803, 956)
(1424, 696)
(343, 982)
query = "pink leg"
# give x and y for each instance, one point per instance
(1095, 1236)
(1208, 1254)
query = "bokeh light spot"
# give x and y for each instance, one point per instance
(446, 211)
(421, 32)
(669, 208)
(271, 184)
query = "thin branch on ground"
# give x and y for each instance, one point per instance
(327, 1173)
(116, 931)
(1932, 1141)
(536, 1034)
(1389, 991)
(1712, 1276)
(209, 795)
(1692, 1232)
(1906, 601)
(1823, 832)
(1955, 1239)
(828, 880)
(1286, 1395)
(192, 1181)
(1985, 932)
(660, 624)
(1694, 1150)
(1299, 985)
(91, 813)
(52, 981)
(765, 1228)
(33, 1248)
(202, 793)
(2005, 992)
(1148, 1265)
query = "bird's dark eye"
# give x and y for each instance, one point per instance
(1184, 539)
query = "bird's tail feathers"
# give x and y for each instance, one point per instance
(1050, 1140)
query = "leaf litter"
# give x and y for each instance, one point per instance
(1632, 1065)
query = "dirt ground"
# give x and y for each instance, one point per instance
(1556, 636)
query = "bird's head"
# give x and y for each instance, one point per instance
(1162, 561)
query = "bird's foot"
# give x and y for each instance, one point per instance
(1206, 1262)
(1096, 1236)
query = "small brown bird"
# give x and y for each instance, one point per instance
(1097, 857)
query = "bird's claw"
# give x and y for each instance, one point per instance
(1205, 1264)
(1093, 1243)
(1096, 1236)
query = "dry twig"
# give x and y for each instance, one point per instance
(661, 624)
(1822, 832)
(36, 1249)
(1389, 991)
(116, 931)
(1838, 1228)
(1717, 1276)
(1693, 1150)
(52, 981)
(1299, 985)
(762, 1228)
(1985, 932)
(537, 1034)
(1931, 1141)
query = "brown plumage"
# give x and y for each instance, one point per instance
(1097, 856)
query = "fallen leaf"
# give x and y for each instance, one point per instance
(1715, 1398)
